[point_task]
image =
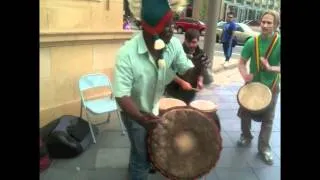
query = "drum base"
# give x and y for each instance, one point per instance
(257, 117)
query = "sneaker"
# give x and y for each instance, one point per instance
(266, 157)
(225, 64)
(244, 141)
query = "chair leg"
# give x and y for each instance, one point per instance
(121, 123)
(108, 117)
(80, 109)
(91, 129)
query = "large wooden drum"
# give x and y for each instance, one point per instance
(167, 103)
(254, 97)
(209, 108)
(205, 106)
(187, 146)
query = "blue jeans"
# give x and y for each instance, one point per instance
(139, 164)
(227, 49)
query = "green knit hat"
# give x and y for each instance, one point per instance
(155, 14)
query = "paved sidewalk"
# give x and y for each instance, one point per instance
(218, 66)
(108, 159)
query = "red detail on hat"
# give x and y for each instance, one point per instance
(160, 26)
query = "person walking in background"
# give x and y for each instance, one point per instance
(228, 37)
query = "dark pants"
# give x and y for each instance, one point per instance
(266, 124)
(139, 164)
(227, 49)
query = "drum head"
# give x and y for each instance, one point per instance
(187, 146)
(254, 96)
(203, 105)
(167, 103)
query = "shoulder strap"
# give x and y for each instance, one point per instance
(272, 45)
(267, 55)
(274, 83)
(268, 52)
(256, 52)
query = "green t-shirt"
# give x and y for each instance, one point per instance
(248, 53)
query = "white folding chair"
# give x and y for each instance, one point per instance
(99, 105)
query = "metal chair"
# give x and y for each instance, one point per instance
(98, 105)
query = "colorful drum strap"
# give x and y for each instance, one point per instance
(267, 55)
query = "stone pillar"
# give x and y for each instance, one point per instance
(210, 37)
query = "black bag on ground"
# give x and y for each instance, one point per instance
(69, 138)
(45, 160)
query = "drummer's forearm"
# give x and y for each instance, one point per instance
(178, 80)
(242, 68)
(191, 73)
(275, 69)
(128, 106)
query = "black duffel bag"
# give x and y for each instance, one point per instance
(69, 138)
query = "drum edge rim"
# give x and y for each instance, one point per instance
(214, 109)
(169, 175)
(259, 110)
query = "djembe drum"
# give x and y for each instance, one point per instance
(209, 108)
(167, 103)
(255, 98)
(186, 146)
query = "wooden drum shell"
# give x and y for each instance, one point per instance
(204, 154)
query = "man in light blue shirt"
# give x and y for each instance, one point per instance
(144, 66)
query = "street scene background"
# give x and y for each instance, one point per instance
(65, 57)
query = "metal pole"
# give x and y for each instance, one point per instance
(210, 37)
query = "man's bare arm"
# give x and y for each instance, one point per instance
(267, 66)
(178, 80)
(127, 104)
(243, 70)
(275, 69)
(242, 66)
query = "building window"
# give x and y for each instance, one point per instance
(251, 14)
(240, 1)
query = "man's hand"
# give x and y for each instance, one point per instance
(265, 63)
(183, 84)
(268, 67)
(201, 61)
(200, 83)
(243, 71)
(248, 77)
(186, 86)
(146, 120)
(149, 121)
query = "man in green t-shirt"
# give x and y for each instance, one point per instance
(267, 73)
